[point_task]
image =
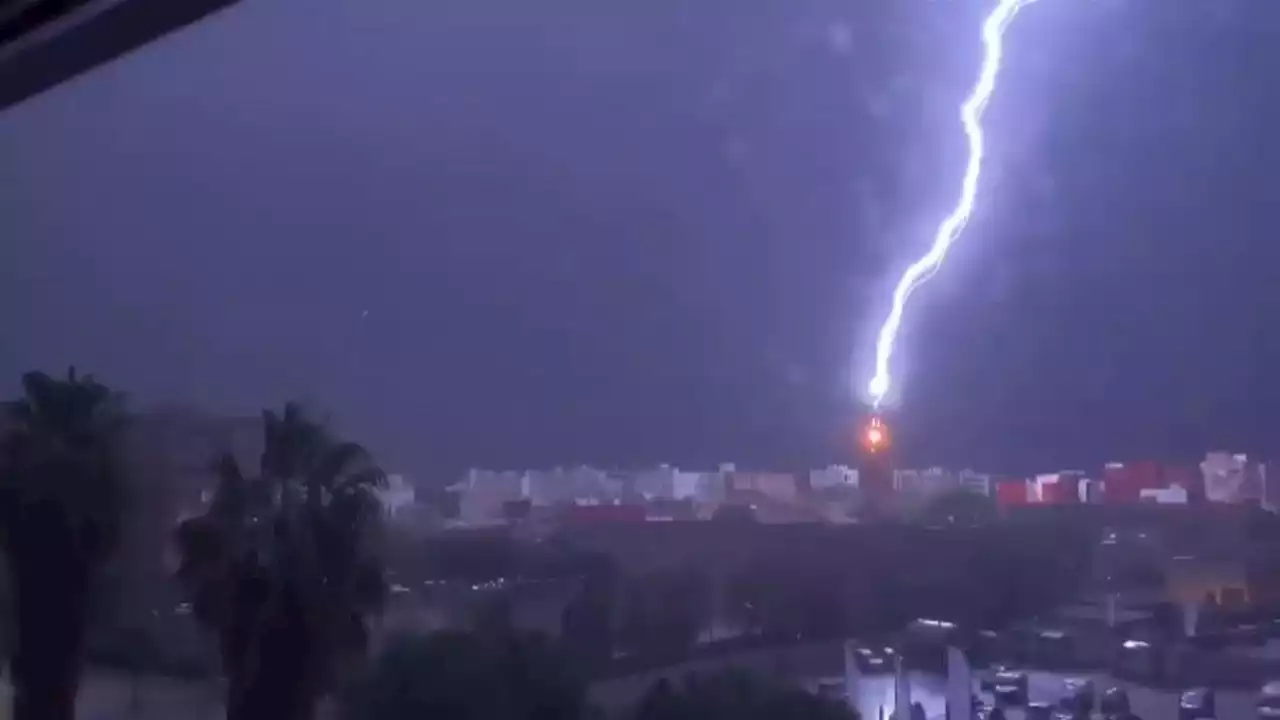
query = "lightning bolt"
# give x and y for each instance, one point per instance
(953, 225)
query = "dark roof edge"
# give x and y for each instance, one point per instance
(115, 31)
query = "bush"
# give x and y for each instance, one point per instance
(138, 651)
(735, 695)
(468, 676)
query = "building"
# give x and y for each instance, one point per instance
(579, 485)
(668, 482)
(482, 494)
(485, 496)
(927, 482)
(690, 484)
(1066, 487)
(1232, 478)
(981, 483)
(876, 469)
(833, 476)
(778, 487)
(1172, 495)
(1192, 580)
(1092, 491)
(1187, 476)
(397, 496)
(1012, 493)
(1124, 482)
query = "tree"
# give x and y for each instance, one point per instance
(285, 567)
(473, 558)
(61, 499)
(736, 695)
(468, 676)
(791, 600)
(733, 513)
(959, 507)
(665, 612)
(587, 622)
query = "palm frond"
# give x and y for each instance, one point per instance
(62, 446)
(301, 529)
(338, 461)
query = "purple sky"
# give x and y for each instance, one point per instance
(656, 231)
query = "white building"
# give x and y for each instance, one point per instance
(1231, 478)
(832, 477)
(481, 494)
(670, 483)
(579, 485)
(690, 484)
(923, 482)
(1172, 495)
(397, 495)
(981, 483)
(656, 483)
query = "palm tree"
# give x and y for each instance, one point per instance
(285, 567)
(61, 494)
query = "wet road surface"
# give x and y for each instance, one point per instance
(874, 695)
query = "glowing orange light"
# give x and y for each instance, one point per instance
(876, 436)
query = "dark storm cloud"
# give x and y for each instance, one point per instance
(652, 231)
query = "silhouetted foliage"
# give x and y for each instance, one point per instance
(735, 695)
(493, 615)
(587, 623)
(61, 500)
(734, 513)
(283, 566)
(1261, 526)
(791, 601)
(468, 676)
(473, 557)
(516, 510)
(1022, 571)
(664, 612)
(958, 507)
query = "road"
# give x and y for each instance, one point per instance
(876, 692)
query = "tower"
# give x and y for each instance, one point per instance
(875, 466)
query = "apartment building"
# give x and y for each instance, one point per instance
(833, 476)
(483, 493)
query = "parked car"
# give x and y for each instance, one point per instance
(1269, 700)
(1197, 703)
(874, 660)
(1078, 698)
(987, 683)
(1010, 687)
(1115, 704)
(991, 713)
(1039, 711)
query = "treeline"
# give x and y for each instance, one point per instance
(814, 585)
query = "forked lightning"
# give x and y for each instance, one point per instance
(953, 225)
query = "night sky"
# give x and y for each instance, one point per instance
(626, 232)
